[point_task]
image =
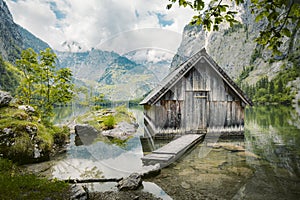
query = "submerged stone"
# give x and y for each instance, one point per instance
(79, 193)
(133, 182)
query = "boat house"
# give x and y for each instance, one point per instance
(197, 97)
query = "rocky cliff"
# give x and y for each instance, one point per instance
(14, 38)
(233, 48)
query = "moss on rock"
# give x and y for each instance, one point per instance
(24, 139)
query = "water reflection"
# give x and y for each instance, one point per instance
(267, 166)
(109, 160)
(64, 115)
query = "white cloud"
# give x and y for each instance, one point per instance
(91, 22)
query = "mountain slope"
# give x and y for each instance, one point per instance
(14, 38)
(156, 60)
(109, 73)
(125, 80)
(234, 48)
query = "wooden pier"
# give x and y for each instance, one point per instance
(172, 151)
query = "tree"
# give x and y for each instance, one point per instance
(282, 18)
(9, 76)
(43, 84)
(27, 64)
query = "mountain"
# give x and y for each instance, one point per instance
(86, 66)
(234, 49)
(109, 73)
(155, 60)
(14, 38)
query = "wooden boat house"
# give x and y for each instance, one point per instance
(196, 97)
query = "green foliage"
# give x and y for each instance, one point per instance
(256, 54)
(108, 122)
(282, 18)
(10, 76)
(15, 184)
(21, 133)
(97, 100)
(234, 28)
(61, 135)
(43, 84)
(245, 73)
(273, 91)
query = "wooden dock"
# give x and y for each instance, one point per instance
(172, 151)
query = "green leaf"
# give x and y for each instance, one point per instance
(286, 32)
(169, 6)
(223, 8)
(231, 12)
(259, 17)
(216, 28)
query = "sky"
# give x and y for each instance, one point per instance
(102, 23)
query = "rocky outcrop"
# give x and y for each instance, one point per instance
(122, 131)
(28, 109)
(233, 48)
(5, 98)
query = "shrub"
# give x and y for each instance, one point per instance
(108, 122)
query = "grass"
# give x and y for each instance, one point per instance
(104, 119)
(108, 122)
(16, 184)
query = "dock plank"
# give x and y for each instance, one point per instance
(172, 151)
(176, 146)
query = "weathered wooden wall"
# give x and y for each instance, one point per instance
(199, 100)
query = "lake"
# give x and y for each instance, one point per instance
(267, 168)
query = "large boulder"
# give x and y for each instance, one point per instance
(5, 98)
(132, 182)
(85, 134)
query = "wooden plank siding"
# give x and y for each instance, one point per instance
(199, 99)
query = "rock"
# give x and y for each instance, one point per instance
(133, 182)
(85, 134)
(79, 193)
(151, 171)
(227, 146)
(234, 148)
(5, 98)
(185, 185)
(32, 130)
(122, 131)
(28, 109)
(248, 154)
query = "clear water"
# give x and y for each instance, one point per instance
(267, 168)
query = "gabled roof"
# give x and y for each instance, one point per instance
(170, 80)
